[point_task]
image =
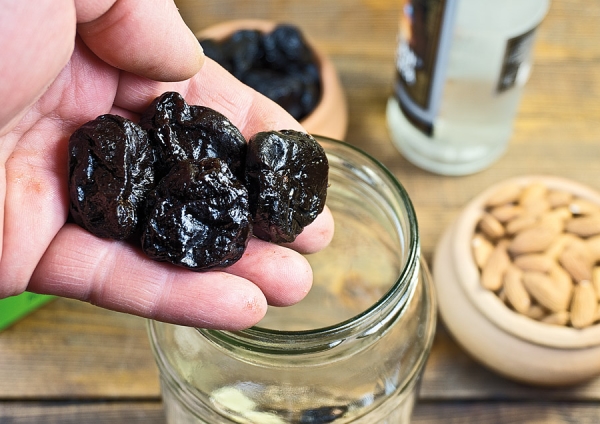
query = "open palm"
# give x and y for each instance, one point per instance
(41, 252)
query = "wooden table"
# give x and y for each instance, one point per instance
(74, 363)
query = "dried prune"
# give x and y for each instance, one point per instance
(279, 64)
(181, 132)
(244, 50)
(187, 181)
(197, 216)
(110, 171)
(286, 49)
(287, 177)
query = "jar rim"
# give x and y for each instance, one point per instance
(263, 339)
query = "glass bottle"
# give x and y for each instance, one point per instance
(351, 352)
(461, 68)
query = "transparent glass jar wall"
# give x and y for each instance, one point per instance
(351, 352)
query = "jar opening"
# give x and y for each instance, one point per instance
(363, 279)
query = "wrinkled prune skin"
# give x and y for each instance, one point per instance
(111, 169)
(285, 48)
(182, 132)
(287, 177)
(243, 49)
(197, 216)
(279, 64)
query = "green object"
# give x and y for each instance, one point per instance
(16, 307)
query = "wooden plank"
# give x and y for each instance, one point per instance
(72, 349)
(69, 349)
(78, 413)
(506, 413)
(425, 413)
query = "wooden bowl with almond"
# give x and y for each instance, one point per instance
(518, 280)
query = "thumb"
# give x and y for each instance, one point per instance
(145, 37)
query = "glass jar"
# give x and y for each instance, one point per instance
(352, 351)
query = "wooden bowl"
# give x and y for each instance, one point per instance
(511, 344)
(330, 117)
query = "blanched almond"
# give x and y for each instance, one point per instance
(536, 312)
(515, 291)
(593, 246)
(533, 240)
(482, 249)
(520, 223)
(507, 193)
(555, 220)
(563, 213)
(542, 288)
(584, 226)
(576, 262)
(559, 198)
(493, 271)
(491, 227)
(596, 280)
(562, 280)
(506, 212)
(534, 262)
(557, 318)
(537, 208)
(583, 305)
(533, 193)
(558, 245)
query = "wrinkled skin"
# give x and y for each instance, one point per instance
(111, 171)
(197, 217)
(69, 62)
(181, 132)
(286, 175)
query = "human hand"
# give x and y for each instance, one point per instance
(120, 50)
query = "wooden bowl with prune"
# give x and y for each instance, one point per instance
(277, 60)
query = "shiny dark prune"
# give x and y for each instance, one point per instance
(279, 64)
(181, 132)
(285, 48)
(110, 171)
(244, 50)
(287, 177)
(197, 217)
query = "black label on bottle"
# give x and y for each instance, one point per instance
(421, 58)
(517, 51)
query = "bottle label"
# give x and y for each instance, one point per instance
(518, 50)
(423, 47)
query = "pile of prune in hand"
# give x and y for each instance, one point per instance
(184, 184)
(279, 64)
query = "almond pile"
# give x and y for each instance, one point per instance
(538, 249)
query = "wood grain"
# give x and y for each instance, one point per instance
(75, 350)
(425, 413)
